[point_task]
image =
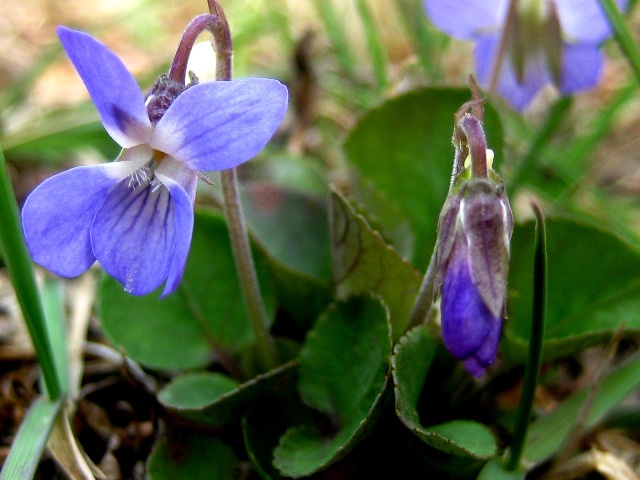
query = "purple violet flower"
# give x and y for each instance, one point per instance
(135, 215)
(472, 258)
(542, 41)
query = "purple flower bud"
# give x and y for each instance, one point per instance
(472, 258)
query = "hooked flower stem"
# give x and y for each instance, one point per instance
(216, 24)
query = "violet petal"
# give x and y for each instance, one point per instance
(584, 21)
(468, 21)
(133, 233)
(112, 88)
(57, 215)
(581, 68)
(484, 223)
(465, 318)
(219, 125)
(182, 190)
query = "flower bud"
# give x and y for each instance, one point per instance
(472, 262)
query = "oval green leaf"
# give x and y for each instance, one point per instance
(344, 366)
(215, 399)
(404, 148)
(411, 361)
(193, 456)
(206, 313)
(593, 287)
(363, 262)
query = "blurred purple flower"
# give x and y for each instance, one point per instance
(542, 41)
(135, 215)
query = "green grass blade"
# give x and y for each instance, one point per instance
(31, 440)
(378, 58)
(540, 140)
(427, 42)
(547, 433)
(534, 357)
(22, 276)
(580, 150)
(333, 26)
(53, 302)
(623, 35)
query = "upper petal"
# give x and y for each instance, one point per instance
(581, 68)
(584, 21)
(181, 183)
(218, 125)
(469, 19)
(132, 236)
(57, 215)
(112, 88)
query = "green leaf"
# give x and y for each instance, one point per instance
(215, 399)
(363, 262)
(292, 225)
(59, 132)
(411, 361)
(195, 390)
(412, 163)
(31, 440)
(593, 285)
(343, 372)
(547, 433)
(193, 456)
(263, 426)
(205, 314)
(494, 470)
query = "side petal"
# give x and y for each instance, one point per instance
(518, 94)
(132, 236)
(57, 215)
(581, 68)
(583, 21)
(218, 125)
(181, 183)
(486, 354)
(465, 317)
(484, 223)
(467, 20)
(112, 88)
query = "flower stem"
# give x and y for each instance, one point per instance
(217, 24)
(20, 268)
(246, 268)
(424, 300)
(532, 368)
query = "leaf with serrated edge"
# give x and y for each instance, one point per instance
(214, 399)
(593, 286)
(404, 148)
(410, 363)
(363, 262)
(344, 366)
